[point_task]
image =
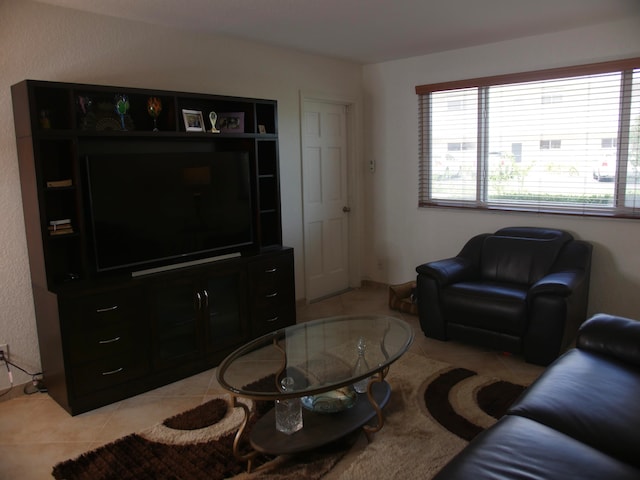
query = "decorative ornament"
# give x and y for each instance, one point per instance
(154, 107)
(213, 118)
(122, 107)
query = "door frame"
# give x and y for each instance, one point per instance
(354, 180)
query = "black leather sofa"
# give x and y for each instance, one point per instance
(579, 420)
(522, 290)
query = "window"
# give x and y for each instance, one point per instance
(548, 144)
(551, 98)
(457, 146)
(562, 140)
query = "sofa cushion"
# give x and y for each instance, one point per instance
(517, 447)
(592, 398)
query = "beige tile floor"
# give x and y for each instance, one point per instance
(36, 433)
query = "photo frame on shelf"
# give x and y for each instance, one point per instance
(262, 129)
(231, 122)
(193, 120)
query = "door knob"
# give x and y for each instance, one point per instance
(346, 209)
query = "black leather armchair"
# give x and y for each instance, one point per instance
(520, 290)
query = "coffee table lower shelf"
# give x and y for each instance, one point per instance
(319, 428)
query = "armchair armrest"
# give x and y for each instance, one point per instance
(611, 335)
(447, 271)
(557, 283)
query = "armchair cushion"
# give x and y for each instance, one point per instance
(498, 305)
(519, 260)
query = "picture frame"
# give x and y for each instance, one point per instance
(231, 122)
(193, 120)
(262, 129)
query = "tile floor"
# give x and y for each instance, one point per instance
(36, 433)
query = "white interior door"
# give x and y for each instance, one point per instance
(325, 193)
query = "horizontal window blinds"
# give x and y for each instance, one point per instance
(568, 144)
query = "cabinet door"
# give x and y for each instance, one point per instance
(175, 313)
(225, 316)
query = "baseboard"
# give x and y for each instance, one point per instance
(301, 302)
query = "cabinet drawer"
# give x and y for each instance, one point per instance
(272, 293)
(272, 273)
(277, 299)
(266, 320)
(113, 340)
(104, 309)
(272, 280)
(108, 372)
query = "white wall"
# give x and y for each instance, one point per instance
(49, 43)
(405, 236)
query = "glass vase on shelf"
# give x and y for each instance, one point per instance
(289, 410)
(154, 107)
(361, 367)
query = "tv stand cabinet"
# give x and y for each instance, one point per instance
(106, 337)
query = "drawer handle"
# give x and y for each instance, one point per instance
(107, 309)
(271, 270)
(274, 319)
(271, 295)
(113, 340)
(112, 372)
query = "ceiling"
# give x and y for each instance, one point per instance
(367, 31)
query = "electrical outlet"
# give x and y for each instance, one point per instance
(4, 348)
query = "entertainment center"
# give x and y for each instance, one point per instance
(154, 236)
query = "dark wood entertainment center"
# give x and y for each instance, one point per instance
(106, 336)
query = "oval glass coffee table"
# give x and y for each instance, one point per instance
(321, 356)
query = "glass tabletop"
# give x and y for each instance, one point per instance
(319, 356)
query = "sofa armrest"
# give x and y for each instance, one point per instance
(616, 336)
(558, 283)
(447, 271)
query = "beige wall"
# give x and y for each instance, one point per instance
(49, 43)
(405, 236)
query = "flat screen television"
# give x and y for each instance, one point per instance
(149, 210)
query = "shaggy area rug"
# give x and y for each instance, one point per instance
(433, 411)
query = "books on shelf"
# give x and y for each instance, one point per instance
(60, 183)
(60, 227)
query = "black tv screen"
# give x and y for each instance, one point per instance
(149, 210)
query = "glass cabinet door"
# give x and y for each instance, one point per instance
(226, 321)
(176, 311)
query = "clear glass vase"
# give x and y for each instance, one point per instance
(288, 411)
(361, 367)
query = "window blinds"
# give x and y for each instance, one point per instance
(564, 140)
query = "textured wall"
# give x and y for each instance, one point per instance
(48, 43)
